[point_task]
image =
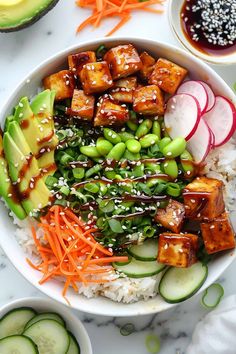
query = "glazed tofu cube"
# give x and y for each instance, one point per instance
(172, 217)
(148, 100)
(177, 250)
(123, 61)
(167, 75)
(110, 112)
(218, 235)
(203, 199)
(123, 89)
(82, 105)
(148, 63)
(96, 77)
(62, 82)
(77, 61)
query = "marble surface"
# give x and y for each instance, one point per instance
(21, 52)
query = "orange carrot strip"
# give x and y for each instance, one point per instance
(119, 25)
(109, 260)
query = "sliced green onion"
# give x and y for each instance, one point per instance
(65, 190)
(115, 226)
(65, 159)
(91, 187)
(93, 170)
(149, 231)
(101, 51)
(173, 189)
(78, 172)
(51, 181)
(212, 296)
(61, 202)
(152, 343)
(61, 134)
(106, 206)
(127, 329)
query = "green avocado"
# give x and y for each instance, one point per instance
(18, 14)
(8, 120)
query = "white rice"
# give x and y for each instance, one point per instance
(221, 164)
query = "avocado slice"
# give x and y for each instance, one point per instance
(8, 120)
(18, 14)
(7, 189)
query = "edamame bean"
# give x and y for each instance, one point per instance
(154, 181)
(111, 136)
(163, 143)
(156, 129)
(144, 128)
(131, 156)
(132, 125)
(93, 170)
(125, 136)
(175, 148)
(117, 152)
(103, 146)
(90, 151)
(133, 146)
(186, 162)
(171, 168)
(148, 140)
(152, 167)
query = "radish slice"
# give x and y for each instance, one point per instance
(197, 90)
(182, 116)
(200, 144)
(210, 94)
(221, 120)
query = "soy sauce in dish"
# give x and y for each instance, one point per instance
(210, 25)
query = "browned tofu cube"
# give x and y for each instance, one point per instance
(218, 235)
(167, 75)
(123, 89)
(123, 61)
(148, 100)
(96, 77)
(203, 199)
(177, 250)
(110, 112)
(82, 105)
(62, 82)
(77, 61)
(148, 63)
(172, 217)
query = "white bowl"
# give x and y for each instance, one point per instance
(73, 324)
(100, 305)
(174, 10)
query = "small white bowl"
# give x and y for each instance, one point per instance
(46, 305)
(174, 11)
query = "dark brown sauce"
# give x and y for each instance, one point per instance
(26, 166)
(88, 163)
(190, 19)
(48, 169)
(43, 150)
(32, 185)
(46, 138)
(24, 124)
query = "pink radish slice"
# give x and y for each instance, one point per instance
(212, 139)
(182, 116)
(221, 119)
(200, 144)
(210, 94)
(197, 90)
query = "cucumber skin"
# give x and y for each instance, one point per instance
(150, 259)
(63, 323)
(75, 340)
(145, 275)
(185, 297)
(18, 309)
(29, 339)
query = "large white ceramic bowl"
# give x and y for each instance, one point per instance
(73, 324)
(29, 87)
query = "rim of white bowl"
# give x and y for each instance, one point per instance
(77, 328)
(122, 309)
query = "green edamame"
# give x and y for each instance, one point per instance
(171, 168)
(126, 136)
(103, 146)
(156, 129)
(175, 148)
(152, 167)
(93, 170)
(132, 125)
(131, 156)
(186, 161)
(163, 143)
(133, 146)
(148, 140)
(111, 136)
(117, 151)
(144, 128)
(90, 151)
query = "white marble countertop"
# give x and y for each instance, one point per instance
(19, 53)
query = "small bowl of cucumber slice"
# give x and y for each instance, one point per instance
(40, 326)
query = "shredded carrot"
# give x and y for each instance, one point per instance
(71, 252)
(102, 9)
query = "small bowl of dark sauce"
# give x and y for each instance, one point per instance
(207, 28)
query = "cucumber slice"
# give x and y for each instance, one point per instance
(17, 344)
(145, 252)
(14, 321)
(46, 316)
(139, 269)
(74, 346)
(50, 337)
(179, 284)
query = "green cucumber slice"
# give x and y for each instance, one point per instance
(46, 316)
(49, 334)
(139, 269)
(74, 346)
(146, 251)
(17, 344)
(14, 321)
(179, 284)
